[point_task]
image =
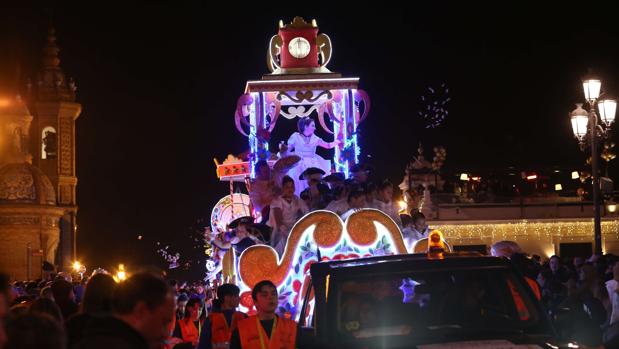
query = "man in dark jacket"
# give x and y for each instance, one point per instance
(143, 308)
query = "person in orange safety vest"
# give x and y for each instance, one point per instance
(265, 330)
(220, 324)
(188, 328)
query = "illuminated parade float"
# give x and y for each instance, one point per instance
(300, 87)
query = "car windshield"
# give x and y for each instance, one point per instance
(433, 302)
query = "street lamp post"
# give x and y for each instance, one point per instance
(584, 122)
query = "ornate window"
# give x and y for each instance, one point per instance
(49, 143)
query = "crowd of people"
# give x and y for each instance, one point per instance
(146, 311)
(581, 295)
(143, 311)
(281, 208)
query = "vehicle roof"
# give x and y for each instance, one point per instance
(409, 262)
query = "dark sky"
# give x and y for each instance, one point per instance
(159, 85)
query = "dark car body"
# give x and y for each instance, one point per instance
(411, 301)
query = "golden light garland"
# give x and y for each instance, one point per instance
(524, 229)
(537, 235)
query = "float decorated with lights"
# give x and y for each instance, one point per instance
(299, 86)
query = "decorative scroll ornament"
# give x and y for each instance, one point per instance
(275, 49)
(361, 96)
(320, 235)
(302, 96)
(324, 48)
(241, 112)
(274, 106)
(298, 111)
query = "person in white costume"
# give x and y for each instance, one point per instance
(285, 212)
(415, 230)
(303, 143)
(385, 202)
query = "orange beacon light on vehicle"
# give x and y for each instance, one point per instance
(436, 246)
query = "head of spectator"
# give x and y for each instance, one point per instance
(181, 303)
(554, 263)
(193, 309)
(385, 191)
(98, 295)
(371, 192)
(173, 285)
(305, 196)
(419, 221)
(228, 294)
(145, 302)
(265, 298)
(64, 275)
(32, 289)
(524, 265)
(47, 306)
(313, 176)
(407, 220)
(48, 271)
(34, 330)
(504, 249)
(62, 290)
(25, 300)
(356, 198)
(46, 292)
(335, 180)
(287, 187)
(240, 226)
(18, 309)
(360, 173)
(588, 274)
(578, 263)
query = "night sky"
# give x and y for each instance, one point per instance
(159, 84)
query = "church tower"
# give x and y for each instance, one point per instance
(52, 135)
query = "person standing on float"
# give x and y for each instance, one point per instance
(304, 143)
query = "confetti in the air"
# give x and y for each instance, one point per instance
(170, 257)
(435, 102)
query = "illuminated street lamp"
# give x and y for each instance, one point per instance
(584, 123)
(580, 120)
(121, 274)
(79, 268)
(607, 109)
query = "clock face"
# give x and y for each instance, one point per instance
(299, 47)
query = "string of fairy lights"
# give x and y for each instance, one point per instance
(527, 230)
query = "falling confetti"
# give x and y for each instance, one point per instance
(435, 106)
(196, 256)
(170, 257)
